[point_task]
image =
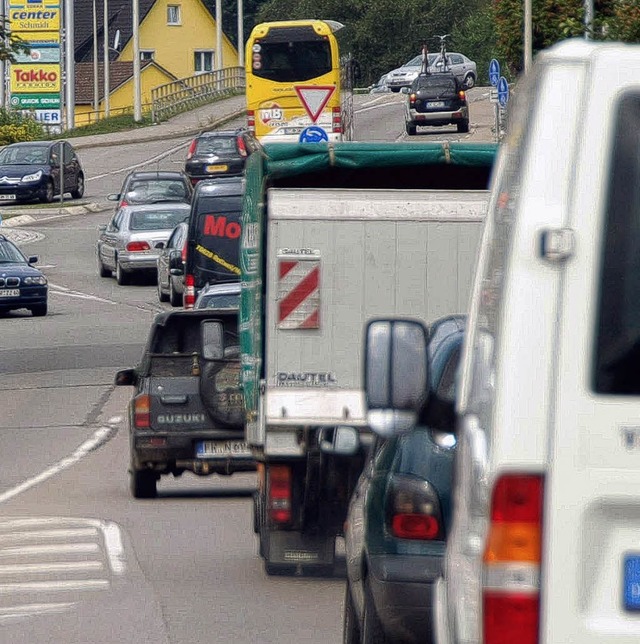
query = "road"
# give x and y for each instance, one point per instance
(80, 560)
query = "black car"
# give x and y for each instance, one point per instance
(159, 186)
(436, 99)
(187, 412)
(33, 169)
(399, 517)
(171, 286)
(218, 153)
(22, 286)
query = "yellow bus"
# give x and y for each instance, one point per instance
(298, 86)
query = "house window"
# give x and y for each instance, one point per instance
(203, 61)
(147, 54)
(173, 14)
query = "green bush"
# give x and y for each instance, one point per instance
(17, 126)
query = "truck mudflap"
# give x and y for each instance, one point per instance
(288, 552)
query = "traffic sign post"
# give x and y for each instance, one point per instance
(503, 91)
(494, 71)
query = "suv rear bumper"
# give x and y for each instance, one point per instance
(437, 118)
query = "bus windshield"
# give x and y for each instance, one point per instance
(291, 61)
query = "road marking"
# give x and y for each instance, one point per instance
(12, 613)
(46, 534)
(377, 107)
(63, 290)
(375, 100)
(53, 566)
(115, 548)
(64, 586)
(60, 548)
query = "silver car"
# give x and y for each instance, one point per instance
(405, 75)
(131, 241)
(459, 65)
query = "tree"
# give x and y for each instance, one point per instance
(10, 44)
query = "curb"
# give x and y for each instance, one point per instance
(14, 218)
(167, 136)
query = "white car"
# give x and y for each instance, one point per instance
(464, 69)
(405, 75)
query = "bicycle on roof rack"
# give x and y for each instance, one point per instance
(443, 52)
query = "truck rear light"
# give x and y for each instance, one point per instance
(251, 121)
(279, 493)
(513, 551)
(137, 246)
(413, 509)
(336, 120)
(192, 149)
(242, 148)
(141, 411)
(189, 297)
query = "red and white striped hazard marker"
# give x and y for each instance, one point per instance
(299, 294)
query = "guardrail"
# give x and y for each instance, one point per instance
(188, 93)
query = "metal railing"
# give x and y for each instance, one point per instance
(188, 93)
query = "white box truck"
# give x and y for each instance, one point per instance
(334, 236)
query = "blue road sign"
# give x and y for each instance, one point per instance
(313, 134)
(494, 71)
(503, 91)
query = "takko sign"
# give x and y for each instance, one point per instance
(35, 78)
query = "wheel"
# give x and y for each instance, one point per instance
(79, 190)
(463, 126)
(372, 631)
(144, 484)
(256, 513)
(39, 311)
(103, 271)
(48, 194)
(350, 626)
(469, 81)
(411, 129)
(174, 298)
(122, 277)
(162, 296)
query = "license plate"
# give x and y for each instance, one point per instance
(292, 130)
(7, 197)
(222, 449)
(11, 292)
(435, 103)
(217, 168)
(631, 584)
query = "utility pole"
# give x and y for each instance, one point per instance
(96, 92)
(105, 56)
(218, 35)
(240, 33)
(588, 19)
(137, 94)
(528, 39)
(70, 93)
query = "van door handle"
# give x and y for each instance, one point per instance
(174, 400)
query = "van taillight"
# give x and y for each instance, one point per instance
(242, 148)
(189, 297)
(137, 246)
(251, 121)
(192, 148)
(279, 493)
(461, 95)
(336, 120)
(141, 409)
(413, 509)
(513, 551)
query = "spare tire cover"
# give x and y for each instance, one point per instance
(221, 390)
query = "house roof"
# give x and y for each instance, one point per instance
(119, 73)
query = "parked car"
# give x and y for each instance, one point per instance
(187, 412)
(31, 170)
(463, 68)
(405, 75)
(219, 296)
(170, 256)
(436, 99)
(131, 241)
(400, 515)
(22, 286)
(218, 153)
(160, 186)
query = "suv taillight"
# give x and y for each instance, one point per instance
(413, 509)
(192, 148)
(189, 298)
(412, 99)
(511, 580)
(461, 95)
(279, 493)
(141, 409)
(242, 148)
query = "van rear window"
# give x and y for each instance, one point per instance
(617, 362)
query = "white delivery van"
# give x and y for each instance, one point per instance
(546, 540)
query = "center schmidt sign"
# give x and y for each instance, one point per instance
(35, 78)
(32, 17)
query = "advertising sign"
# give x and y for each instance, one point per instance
(34, 17)
(36, 101)
(36, 78)
(44, 46)
(47, 117)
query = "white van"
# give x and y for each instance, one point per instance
(546, 540)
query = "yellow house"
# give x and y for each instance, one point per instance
(178, 36)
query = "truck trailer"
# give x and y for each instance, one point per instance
(334, 235)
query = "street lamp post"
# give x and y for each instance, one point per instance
(588, 18)
(70, 94)
(528, 39)
(137, 94)
(96, 93)
(105, 57)
(218, 35)
(240, 34)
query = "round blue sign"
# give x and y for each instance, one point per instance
(313, 134)
(494, 71)
(503, 91)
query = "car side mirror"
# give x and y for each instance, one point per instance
(341, 441)
(212, 337)
(33, 259)
(396, 374)
(102, 228)
(126, 378)
(113, 197)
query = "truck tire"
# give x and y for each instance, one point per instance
(257, 519)
(144, 484)
(351, 625)
(372, 631)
